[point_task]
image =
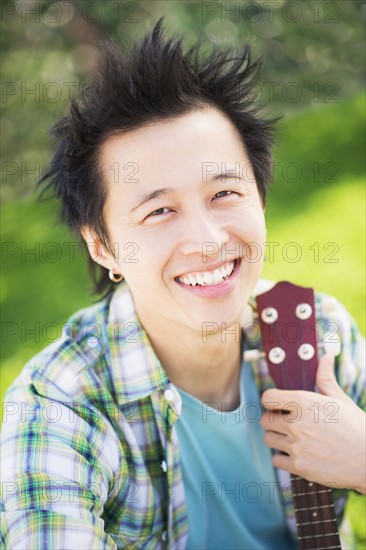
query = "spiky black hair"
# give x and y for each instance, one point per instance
(155, 80)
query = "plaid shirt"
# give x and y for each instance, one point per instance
(90, 456)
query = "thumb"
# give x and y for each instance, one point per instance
(326, 381)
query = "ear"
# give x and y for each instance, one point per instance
(96, 249)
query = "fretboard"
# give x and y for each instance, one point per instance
(315, 515)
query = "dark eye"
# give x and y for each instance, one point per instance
(223, 194)
(158, 212)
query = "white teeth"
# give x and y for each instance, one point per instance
(217, 275)
(209, 277)
(230, 268)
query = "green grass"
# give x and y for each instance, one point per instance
(328, 237)
(356, 511)
(314, 214)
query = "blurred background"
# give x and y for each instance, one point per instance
(313, 74)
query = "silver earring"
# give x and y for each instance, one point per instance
(115, 277)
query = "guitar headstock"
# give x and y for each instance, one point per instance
(286, 315)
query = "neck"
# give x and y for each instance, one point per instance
(207, 368)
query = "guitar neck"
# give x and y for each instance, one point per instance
(287, 319)
(315, 515)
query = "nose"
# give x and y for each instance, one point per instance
(200, 232)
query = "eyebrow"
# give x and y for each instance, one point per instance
(166, 190)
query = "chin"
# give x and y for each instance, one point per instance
(215, 322)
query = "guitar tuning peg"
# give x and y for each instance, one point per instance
(306, 352)
(269, 315)
(253, 355)
(303, 311)
(277, 355)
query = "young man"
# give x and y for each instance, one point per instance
(134, 434)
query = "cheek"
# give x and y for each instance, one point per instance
(137, 251)
(249, 225)
(249, 228)
(254, 255)
(147, 263)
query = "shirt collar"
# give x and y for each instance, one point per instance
(136, 369)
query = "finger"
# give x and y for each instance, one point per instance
(276, 441)
(326, 381)
(275, 422)
(284, 462)
(284, 415)
(275, 399)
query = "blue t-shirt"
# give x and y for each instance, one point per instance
(232, 493)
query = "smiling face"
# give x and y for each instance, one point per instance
(190, 241)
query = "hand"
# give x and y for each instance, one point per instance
(323, 433)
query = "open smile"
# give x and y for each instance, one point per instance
(211, 283)
(205, 278)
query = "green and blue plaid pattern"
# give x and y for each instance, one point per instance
(89, 453)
